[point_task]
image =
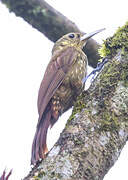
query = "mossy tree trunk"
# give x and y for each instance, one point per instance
(97, 130)
(50, 22)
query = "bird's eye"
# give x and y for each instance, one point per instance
(71, 35)
(78, 35)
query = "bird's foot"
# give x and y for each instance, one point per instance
(99, 67)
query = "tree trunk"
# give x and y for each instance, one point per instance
(97, 130)
(50, 22)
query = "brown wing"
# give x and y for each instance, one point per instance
(54, 75)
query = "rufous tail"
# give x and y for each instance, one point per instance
(39, 146)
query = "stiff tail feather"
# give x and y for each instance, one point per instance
(39, 146)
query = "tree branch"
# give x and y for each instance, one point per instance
(50, 22)
(98, 128)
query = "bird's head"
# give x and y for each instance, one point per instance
(77, 40)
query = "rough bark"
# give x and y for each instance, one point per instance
(50, 22)
(97, 130)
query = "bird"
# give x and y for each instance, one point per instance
(61, 84)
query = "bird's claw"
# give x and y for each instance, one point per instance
(99, 67)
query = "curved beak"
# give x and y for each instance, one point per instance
(89, 35)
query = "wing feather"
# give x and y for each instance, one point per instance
(53, 77)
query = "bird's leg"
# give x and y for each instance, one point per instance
(99, 67)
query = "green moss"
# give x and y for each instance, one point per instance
(36, 10)
(118, 41)
(78, 141)
(109, 121)
(78, 106)
(104, 51)
(124, 76)
(108, 84)
(41, 174)
(36, 178)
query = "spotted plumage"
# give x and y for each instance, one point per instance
(61, 85)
